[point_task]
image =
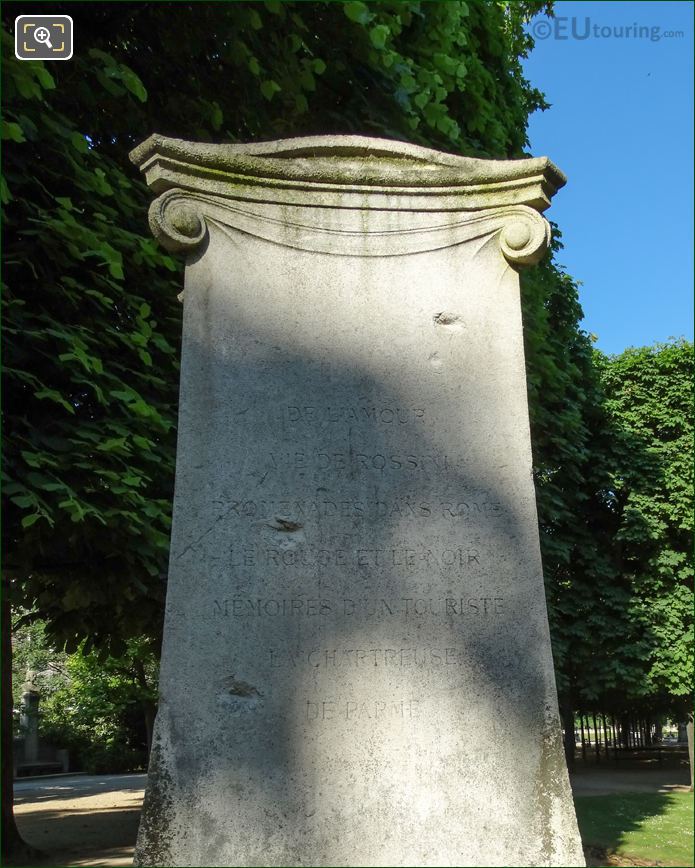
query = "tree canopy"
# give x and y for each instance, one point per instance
(92, 320)
(649, 402)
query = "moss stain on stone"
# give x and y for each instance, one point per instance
(154, 837)
(551, 794)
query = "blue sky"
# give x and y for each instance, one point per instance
(621, 128)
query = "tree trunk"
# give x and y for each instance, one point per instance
(149, 711)
(605, 734)
(588, 730)
(581, 725)
(149, 708)
(689, 729)
(12, 843)
(568, 738)
(597, 739)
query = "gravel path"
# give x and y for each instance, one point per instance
(80, 820)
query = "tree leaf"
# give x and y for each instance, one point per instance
(357, 11)
(269, 88)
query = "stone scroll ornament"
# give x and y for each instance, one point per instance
(356, 667)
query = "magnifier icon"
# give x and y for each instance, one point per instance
(43, 35)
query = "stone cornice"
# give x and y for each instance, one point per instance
(229, 183)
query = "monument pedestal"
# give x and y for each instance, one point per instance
(356, 666)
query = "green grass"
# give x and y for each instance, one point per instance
(655, 827)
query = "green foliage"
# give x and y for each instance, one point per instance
(445, 74)
(649, 400)
(617, 547)
(94, 705)
(565, 409)
(97, 710)
(33, 657)
(598, 652)
(92, 322)
(91, 317)
(453, 70)
(91, 331)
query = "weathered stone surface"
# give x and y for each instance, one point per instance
(357, 666)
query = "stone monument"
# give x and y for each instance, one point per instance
(29, 719)
(356, 664)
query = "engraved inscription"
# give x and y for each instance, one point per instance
(325, 416)
(358, 710)
(243, 607)
(410, 607)
(370, 509)
(360, 658)
(361, 462)
(311, 556)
